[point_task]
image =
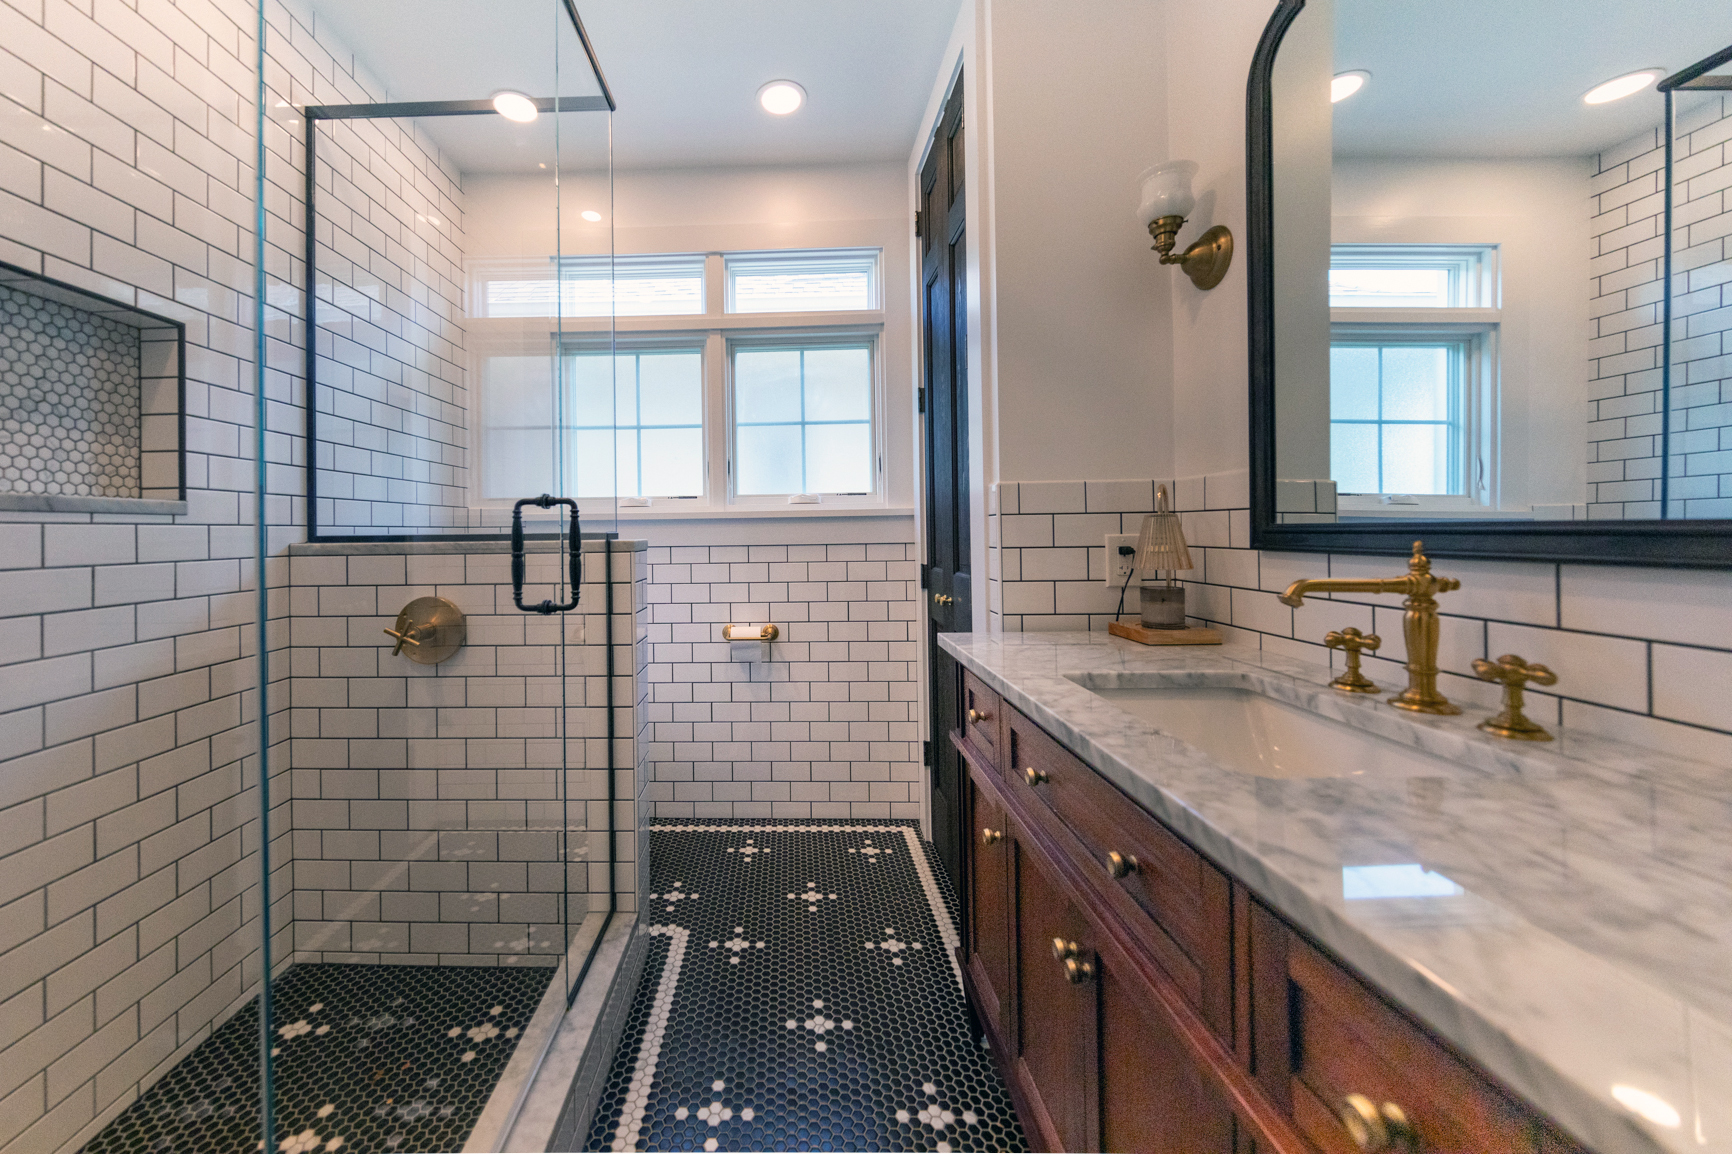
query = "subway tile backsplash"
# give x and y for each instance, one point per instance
(1641, 654)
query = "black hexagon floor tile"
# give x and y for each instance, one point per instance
(800, 994)
(385, 1059)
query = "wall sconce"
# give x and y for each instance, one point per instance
(1166, 202)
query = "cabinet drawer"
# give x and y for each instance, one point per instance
(1346, 1040)
(1183, 903)
(982, 718)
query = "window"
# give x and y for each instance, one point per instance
(803, 420)
(638, 424)
(1412, 369)
(1395, 416)
(689, 402)
(592, 286)
(796, 282)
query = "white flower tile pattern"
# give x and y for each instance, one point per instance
(369, 1058)
(792, 1036)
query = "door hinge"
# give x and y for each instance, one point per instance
(921, 393)
(923, 572)
(926, 753)
(919, 223)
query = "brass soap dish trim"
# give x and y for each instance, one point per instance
(429, 629)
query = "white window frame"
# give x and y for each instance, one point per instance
(810, 339)
(663, 343)
(713, 331)
(1475, 322)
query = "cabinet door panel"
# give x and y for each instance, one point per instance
(988, 904)
(1056, 1019)
(1154, 1098)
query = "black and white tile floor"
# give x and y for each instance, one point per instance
(800, 993)
(369, 1060)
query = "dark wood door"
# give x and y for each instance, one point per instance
(944, 339)
(1057, 1043)
(988, 905)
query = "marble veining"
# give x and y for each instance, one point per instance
(1584, 950)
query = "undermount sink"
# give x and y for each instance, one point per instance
(1254, 734)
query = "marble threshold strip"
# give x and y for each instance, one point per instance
(523, 1078)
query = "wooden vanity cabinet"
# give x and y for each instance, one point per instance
(1163, 1008)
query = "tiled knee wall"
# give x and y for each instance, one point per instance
(428, 812)
(827, 726)
(1641, 654)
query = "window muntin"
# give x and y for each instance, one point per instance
(597, 286)
(803, 419)
(836, 280)
(1397, 420)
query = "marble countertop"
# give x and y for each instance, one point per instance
(1583, 954)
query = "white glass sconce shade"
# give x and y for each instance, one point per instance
(1166, 191)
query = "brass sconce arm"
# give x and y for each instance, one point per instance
(1206, 261)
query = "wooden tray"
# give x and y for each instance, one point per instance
(1133, 631)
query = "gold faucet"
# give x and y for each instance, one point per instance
(1419, 627)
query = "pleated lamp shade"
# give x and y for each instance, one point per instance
(1162, 544)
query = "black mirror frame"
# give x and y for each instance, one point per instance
(1675, 543)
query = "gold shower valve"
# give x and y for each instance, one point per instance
(429, 629)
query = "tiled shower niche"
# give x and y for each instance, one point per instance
(90, 394)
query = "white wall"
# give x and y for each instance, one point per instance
(1536, 212)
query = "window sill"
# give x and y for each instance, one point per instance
(671, 512)
(55, 503)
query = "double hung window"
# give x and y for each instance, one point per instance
(1412, 363)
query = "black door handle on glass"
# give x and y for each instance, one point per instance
(517, 562)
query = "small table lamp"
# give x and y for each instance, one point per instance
(1162, 547)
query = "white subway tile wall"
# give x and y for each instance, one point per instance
(1625, 418)
(1639, 653)
(824, 724)
(429, 820)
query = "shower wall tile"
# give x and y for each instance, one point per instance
(430, 810)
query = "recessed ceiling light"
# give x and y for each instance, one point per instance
(591, 215)
(515, 106)
(780, 97)
(1621, 86)
(1346, 84)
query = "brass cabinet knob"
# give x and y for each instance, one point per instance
(991, 836)
(977, 717)
(1375, 1128)
(1122, 864)
(1077, 971)
(943, 599)
(1062, 949)
(1034, 776)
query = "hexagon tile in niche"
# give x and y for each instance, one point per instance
(70, 400)
(369, 1060)
(761, 1022)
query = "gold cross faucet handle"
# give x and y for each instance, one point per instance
(1351, 641)
(406, 636)
(1513, 674)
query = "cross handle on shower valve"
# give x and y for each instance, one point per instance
(410, 635)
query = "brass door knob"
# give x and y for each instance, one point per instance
(1077, 971)
(1375, 1128)
(1034, 776)
(977, 717)
(1122, 864)
(991, 836)
(943, 599)
(1062, 949)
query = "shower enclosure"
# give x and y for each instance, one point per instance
(376, 887)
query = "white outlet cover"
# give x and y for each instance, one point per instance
(1118, 568)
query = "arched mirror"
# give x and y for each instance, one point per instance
(1491, 280)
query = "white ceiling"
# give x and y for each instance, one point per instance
(684, 74)
(1506, 77)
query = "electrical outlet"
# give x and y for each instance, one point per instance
(1120, 564)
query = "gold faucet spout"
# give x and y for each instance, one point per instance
(1419, 626)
